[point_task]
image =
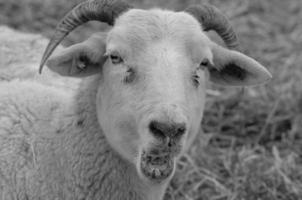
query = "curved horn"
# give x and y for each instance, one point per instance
(101, 10)
(212, 19)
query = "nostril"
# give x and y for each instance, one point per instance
(181, 129)
(172, 130)
(157, 129)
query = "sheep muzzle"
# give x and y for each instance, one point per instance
(157, 167)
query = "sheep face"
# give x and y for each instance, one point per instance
(152, 93)
(153, 67)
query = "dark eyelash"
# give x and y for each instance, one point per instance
(116, 59)
(205, 62)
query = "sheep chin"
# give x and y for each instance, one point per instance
(155, 168)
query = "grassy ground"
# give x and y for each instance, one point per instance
(251, 148)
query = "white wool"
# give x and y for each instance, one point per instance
(51, 146)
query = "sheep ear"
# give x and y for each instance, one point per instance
(236, 69)
(82, 59)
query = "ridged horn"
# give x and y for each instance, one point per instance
(100, 10)
(211, 18)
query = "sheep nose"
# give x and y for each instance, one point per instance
(163, 130)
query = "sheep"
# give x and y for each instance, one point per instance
(137, 109)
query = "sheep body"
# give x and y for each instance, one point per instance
(44, 152)
(26, 122)
(40, 125)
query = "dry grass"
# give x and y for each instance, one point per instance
(251, 147)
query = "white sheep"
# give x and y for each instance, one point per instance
(137, 109)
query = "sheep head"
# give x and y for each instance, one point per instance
(153, 67)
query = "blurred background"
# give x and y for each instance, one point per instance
(251, 145)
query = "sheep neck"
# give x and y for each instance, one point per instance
(99, 172)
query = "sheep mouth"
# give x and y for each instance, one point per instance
(157, 168)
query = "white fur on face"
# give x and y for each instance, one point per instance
(163, 49)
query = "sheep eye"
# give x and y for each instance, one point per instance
(204, 62)
(116, 59)
(130, 77)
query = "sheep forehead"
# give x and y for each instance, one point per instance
(160, 20)
(140, 28)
